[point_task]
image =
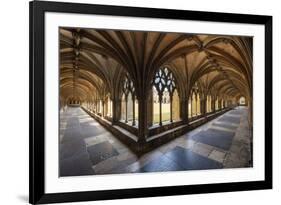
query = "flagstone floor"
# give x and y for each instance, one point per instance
(87, 148)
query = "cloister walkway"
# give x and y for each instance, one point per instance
(87, 148)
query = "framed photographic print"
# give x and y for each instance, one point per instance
(140, 102)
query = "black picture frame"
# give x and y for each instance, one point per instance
(37, 11)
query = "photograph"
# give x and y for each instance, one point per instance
(138, 101)
(133, 102)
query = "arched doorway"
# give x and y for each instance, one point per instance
(242, 101)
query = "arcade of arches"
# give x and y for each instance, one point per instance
(146, 90)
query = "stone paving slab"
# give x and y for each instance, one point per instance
(216, 138)
(77, 165)
(71, 148)
(230, 119)
(119, 166)
(72, 122)
(102, 151)
(226, 125)
(217, 155)
(71, 134)
(159, 164)
(189, 160)
(202, 149)
(236, 111)
(90, 131)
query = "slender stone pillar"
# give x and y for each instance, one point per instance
(171, 107)
(126, 109)
(134, 120)
(150, 109)
(103, 108)
(190, 107)
(196, 105)
(213, 104)
(160, 109)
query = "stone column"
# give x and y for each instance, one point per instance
(160, 109)
(103, 108)
(196, 105)
(213, 104)
(142, 133)
(116, 107)
(203, 106)
(191, 106)
(150, 109)
(184, 109)
(134, 120)
(126, 109)
(171, 107)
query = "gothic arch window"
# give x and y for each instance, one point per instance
(194, 102)
(129, 103)
(165, 96)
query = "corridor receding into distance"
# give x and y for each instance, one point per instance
(137, 101)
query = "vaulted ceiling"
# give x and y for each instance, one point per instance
(92, 61)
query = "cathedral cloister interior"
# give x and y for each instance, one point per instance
(135, 101)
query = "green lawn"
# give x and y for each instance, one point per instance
(165, 117)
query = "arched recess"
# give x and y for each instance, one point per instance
(165, 97)
(195, 100)
(241, 100)
(129, 102)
